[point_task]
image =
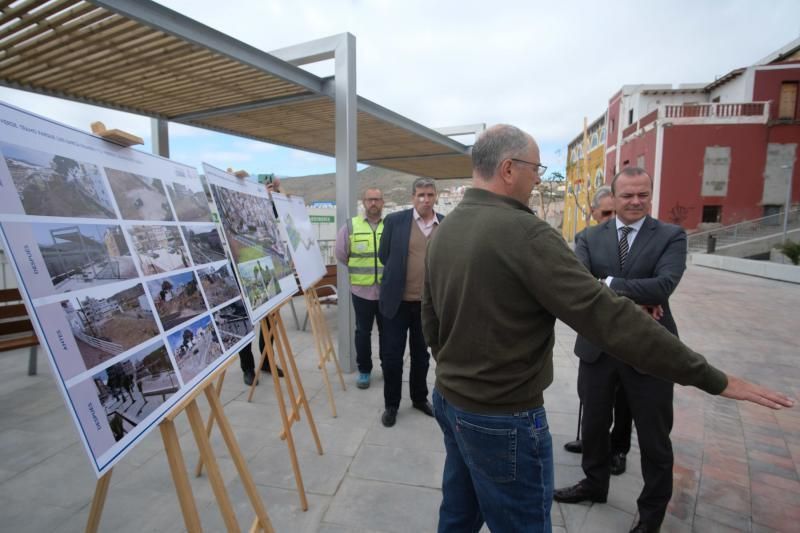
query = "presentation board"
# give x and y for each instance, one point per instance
(123, 274)
(299, 234)
(253, 239)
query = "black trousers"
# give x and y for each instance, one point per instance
(366, 312)
(406, 323)
(650, 402)
(246, 359)
(621, 433)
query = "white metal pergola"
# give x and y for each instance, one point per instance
(141, 57)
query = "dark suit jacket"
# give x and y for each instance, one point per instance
(393, 252)
(655, 264)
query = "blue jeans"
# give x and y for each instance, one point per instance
(499, 469)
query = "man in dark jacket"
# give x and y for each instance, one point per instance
(642, 259)
(402, 251)
(496, 279)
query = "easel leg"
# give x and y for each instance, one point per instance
(98, 502)
(214, 475)
(198, 471)
(301, 398)
(262, 518)
(312, 304)
(330, 353)
(281, 348)
(298, 477)
(178, 468)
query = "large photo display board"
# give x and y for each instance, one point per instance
(253, 238)
(123, 273)
(299, 234)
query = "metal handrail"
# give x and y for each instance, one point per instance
(745, 228)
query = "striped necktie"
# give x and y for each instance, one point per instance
(623, 245)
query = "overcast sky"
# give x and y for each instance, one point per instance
(542, 66)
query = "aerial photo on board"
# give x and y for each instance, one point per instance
(139, 197)
(195, 347)
(177, 298)
(107, 325)
(83, 255)
(133, 388)
(250, 228)
(159, 248)
(205, 244)
(219, 284)
(258, 282)
(233, 323)
(190, 201)
(53, 185)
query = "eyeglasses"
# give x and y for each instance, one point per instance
(539, 169)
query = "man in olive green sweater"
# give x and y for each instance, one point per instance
(496, 279)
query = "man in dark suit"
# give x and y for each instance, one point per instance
(602, 211)
(402, 251)
(642, 259)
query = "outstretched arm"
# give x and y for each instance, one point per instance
(739, 389)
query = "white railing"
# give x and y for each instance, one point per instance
(742, 231)
(717, 110)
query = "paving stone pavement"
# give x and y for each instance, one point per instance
(737, 467)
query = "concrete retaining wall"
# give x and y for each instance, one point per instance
(763, 269)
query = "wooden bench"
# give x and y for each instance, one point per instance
(16, 330)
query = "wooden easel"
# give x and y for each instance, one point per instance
(177, 466)
(324, 343)
(273, 324)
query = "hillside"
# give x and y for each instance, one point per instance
(396, 186)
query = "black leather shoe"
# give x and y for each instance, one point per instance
(249, 377)
(641, 527)
(425, 407)
(389, 417)
(618, 464)
(268, 371)
(574, 446)
(578, 493)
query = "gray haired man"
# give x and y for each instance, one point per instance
(402, 251)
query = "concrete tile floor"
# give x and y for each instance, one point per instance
(737, 467)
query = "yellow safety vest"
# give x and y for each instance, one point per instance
(364, 266)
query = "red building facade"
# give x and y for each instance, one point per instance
(719, 153)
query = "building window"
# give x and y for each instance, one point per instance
(712, 214)
(787, 105)
(772, 214)
(640, 161)
(630, 117)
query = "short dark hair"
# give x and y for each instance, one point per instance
(499, 142)
(421, 183)
(630, 172)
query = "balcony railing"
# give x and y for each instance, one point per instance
(728, 110)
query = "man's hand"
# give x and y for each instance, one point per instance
(655, 311)
(739, 389)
